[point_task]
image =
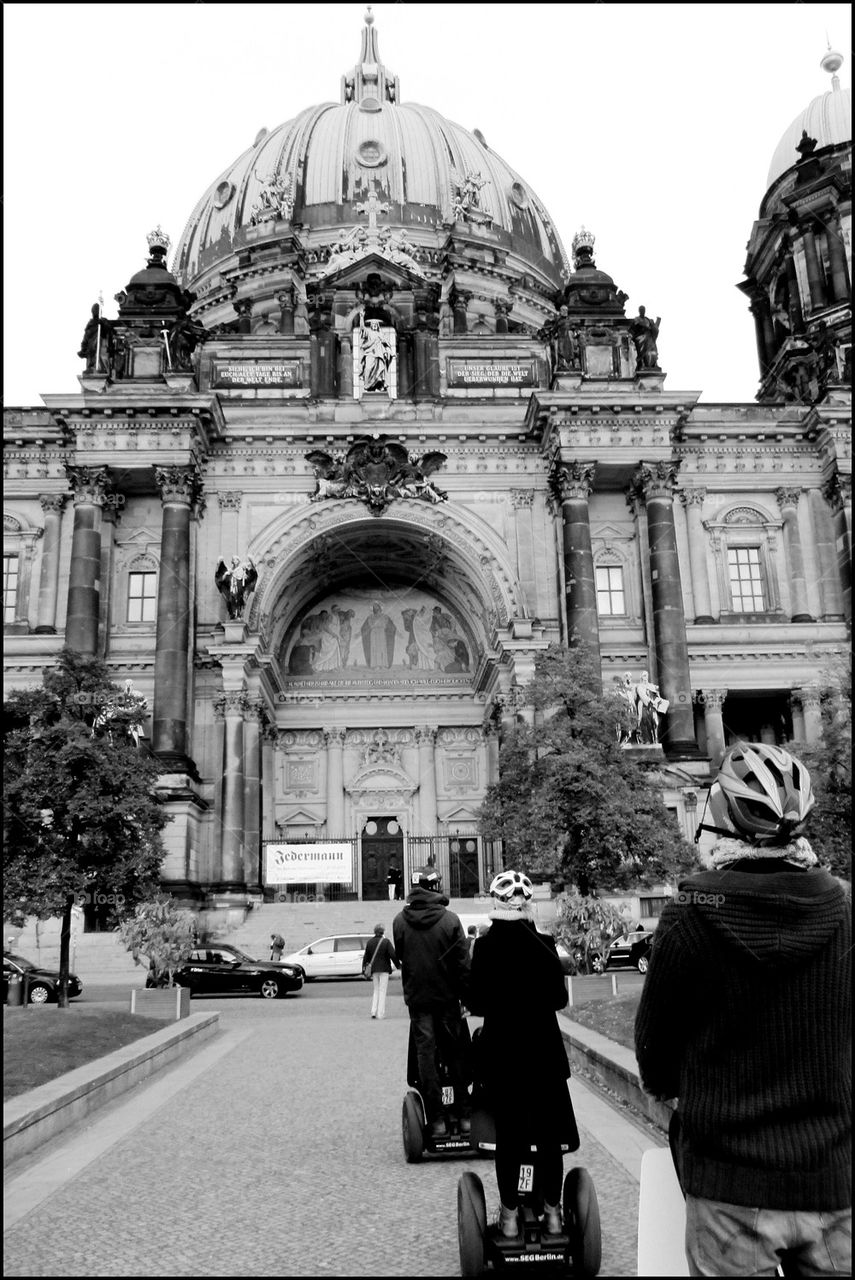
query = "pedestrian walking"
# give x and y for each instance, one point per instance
(277, 946)
(431, 946)
(393, 879)
(377, 965)
(745, 1018)
(517, 983)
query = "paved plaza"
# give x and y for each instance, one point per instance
(275, 1150)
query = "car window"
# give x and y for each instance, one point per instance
(323, 947)
(222, 957)
(198, 956)
(351, 944)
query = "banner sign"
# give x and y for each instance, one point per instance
(256, 373)
(491, 373)
(308, 864)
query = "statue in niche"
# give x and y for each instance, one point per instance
(824, 342)
(644, 333)
(235, 582)
(376, 356)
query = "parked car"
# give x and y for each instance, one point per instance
(41, 985)
(337, 956)
(219, 967)
(630, 951)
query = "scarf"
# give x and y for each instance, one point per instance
(798, 852)
(512, 911)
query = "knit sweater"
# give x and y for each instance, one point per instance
(745, 1018)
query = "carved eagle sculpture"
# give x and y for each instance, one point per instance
(329, 475)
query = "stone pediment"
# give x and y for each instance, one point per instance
(384, 779)
(346, 271)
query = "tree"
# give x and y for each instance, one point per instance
(82, 818)
(586, 926)
(570, 804)
(829, 762)
(163, 933)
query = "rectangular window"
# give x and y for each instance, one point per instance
(610, 598)
(10, 587)
(652, 906)
(142, 599)
(746, 581)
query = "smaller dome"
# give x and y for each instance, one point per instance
(828, 119)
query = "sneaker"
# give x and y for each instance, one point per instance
(509, 1222)
(552, 1223)
(438, 1128)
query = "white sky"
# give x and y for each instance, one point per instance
(652, 125)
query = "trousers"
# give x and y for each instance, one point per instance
(446, 1029)
(379, 983)
(735, 1240)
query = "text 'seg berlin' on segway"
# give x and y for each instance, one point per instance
(416, 1128)
(576, 1250)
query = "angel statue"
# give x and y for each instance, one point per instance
(235, 582)
(412, 479)
(329, 476)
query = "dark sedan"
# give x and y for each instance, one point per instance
(41, 986)
(630, 951)
(219, 968)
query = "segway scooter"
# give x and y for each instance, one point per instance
(576, 1250)
(416, 1130)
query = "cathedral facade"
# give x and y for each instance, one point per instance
(373, 441)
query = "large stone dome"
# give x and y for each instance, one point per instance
(827, 119)
(321, 166)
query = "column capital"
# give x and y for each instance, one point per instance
(52, 503)
(334, 737)
(787, 497)
(808, 696)
(693, 497)
(230, 501)
(713, 698)
(522, 498)
(655, 480)
(89, 484)
(253, 710)
(231, 703)
(181, 486)
(571, 480)
(425, 735)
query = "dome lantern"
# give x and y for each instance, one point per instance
(370, 83)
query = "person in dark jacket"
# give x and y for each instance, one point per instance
(745, 1018)
(517, 983)
(431, 947)
(378, 960)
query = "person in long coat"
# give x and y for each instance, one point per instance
(517, 983)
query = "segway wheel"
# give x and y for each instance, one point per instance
(471, 1225)
(412, 1126)
(582, 1222)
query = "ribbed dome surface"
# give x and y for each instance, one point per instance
(331, 157)
(828, 119)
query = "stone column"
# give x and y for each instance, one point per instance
(334, 739)
(797, 322)
(693, 501)
(52, 505)
(180, 489)
(232, 705)
(571, 483)
(252, 793)
(713, 699)
(268, 780)
(426, 739)
(831, 604)
(810, 701)
(759, 308)
(837, 261)
(522, 501)
(491, 736)
(816, 282)
(90, 485)
(654, 485)
(799, 732)
(788, 501)
(838, 494)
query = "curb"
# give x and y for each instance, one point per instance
(614, 1069)
(34, 1117)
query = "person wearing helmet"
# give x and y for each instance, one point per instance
(517, 983)
(745, 1018)
(431, 947)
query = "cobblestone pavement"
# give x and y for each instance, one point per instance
(275, 1150)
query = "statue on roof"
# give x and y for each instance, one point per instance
(644, 333)
(275, 201)
(96, 346)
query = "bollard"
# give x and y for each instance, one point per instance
(614, 984)
(569, 992)
(15, 990)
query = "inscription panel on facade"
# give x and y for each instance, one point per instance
(230, 374)
(491, 373)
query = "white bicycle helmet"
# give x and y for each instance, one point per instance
(511, 887)
(764, 793)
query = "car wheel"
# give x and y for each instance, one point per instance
(269, 988)
(582, 1222)
(412, 1128)
(471, 1224)
(40, 994)
(642, 964)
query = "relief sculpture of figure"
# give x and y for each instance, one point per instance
(235, 582)
(644, 333)
(378, 637)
